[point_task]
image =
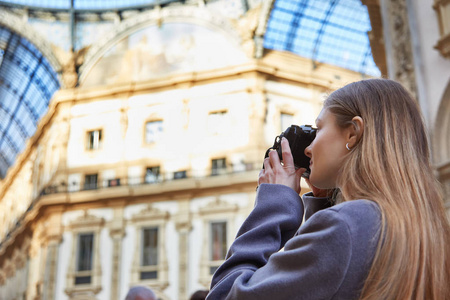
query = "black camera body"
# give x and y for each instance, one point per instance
(299, 138)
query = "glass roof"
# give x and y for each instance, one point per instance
(333, 32)
(27, 82)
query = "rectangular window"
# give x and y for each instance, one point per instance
(218, 166)
(149, 253)
(218, 244)
(85, 253)
(153, 131)
(286, 120)
(152, 175)
(94, 140)
(179, 175)
(218, 122)
(90, 182)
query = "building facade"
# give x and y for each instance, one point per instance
(145, 162)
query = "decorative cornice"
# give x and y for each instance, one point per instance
(87, 220)
(150, 213)
(218, 206)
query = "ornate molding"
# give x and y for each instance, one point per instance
(151, 216)
(157, 16)
(264, 16)
(218, 206)
(443, 45)
(150, 213)
(442, 8)
(247, 26)
(399, 49)
(86, 220)
(93, 224)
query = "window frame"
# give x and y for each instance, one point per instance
(150, 217)
(99, 141)
(159, 137)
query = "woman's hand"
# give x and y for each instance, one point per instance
(275, 172)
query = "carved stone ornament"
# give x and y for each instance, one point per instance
(402, 52)
(247, 26)
(87, 220)
(218, 206)
(70, 62)
(150, 213)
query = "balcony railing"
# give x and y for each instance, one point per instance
(148, 179)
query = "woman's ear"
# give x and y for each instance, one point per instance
(355, 131)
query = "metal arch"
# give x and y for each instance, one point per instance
(295, 24)
(15, 110)
(364, 61)
(25, 104)
(16, 25)
(325, 22)
(118, 9)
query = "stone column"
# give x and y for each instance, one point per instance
(51, 264)
(52, 237)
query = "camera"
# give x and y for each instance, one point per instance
(299, 137)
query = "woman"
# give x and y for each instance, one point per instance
(383, 235)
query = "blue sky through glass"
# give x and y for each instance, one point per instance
(327, 31)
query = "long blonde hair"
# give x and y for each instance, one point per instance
(391, 166)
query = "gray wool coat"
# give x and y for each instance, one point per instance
(327, 257)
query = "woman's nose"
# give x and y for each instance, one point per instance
(308, 151)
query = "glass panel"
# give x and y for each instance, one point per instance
(218, 122)
(27, 82)
(85, 251)
(153, 131)
(219, 166)
(149, 275)
(152, 175)
(90, 182)
(218, 240)
(179, 175)
(149, 246)
(333, 32)
(94, 139)
(83, 280)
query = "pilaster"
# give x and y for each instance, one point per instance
(183, 226)
(117, 232)
(399, 49)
